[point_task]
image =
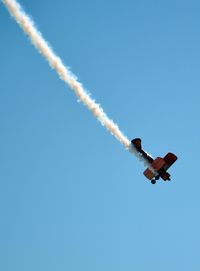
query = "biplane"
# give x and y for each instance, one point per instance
(157, 167)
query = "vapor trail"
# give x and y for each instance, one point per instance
(56, 63)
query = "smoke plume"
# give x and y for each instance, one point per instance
(65, 74)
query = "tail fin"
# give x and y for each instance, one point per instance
(137, 143)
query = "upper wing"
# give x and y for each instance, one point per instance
(169, 159)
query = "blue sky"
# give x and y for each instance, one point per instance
(71, 197)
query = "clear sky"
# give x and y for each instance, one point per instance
(71, 197)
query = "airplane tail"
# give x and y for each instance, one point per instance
(137, 144)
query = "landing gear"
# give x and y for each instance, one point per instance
(153, 181)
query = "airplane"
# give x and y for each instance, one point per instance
(157, 167)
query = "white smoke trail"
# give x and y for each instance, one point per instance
(56, 63)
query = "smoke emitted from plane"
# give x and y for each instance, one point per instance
(65, 74)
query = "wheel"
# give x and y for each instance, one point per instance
(153, 181)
